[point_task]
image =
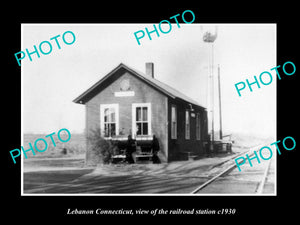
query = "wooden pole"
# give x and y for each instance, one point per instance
(220, 106)
(212, 93)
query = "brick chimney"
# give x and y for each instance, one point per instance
(150, 69)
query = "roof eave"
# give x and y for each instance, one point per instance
(81, 99)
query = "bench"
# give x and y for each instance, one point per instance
(143, 154)
(118, 158)
(143, 158)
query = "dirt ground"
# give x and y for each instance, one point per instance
(63, 174)
(200, 167)
(69, 175)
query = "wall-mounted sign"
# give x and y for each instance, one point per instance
(124, 93)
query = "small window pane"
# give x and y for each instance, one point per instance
(106, 115)
(173, 114)
(112, 115)
(106, 133)
(138, 128)
(138, 114)
(112, 129)
(145, 128)
(145, 114)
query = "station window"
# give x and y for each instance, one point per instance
(173, 122)
(187, 124)
(142, 122)
(109, 121)
(141, 119)
(198, 127)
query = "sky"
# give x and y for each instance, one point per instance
(181, 58)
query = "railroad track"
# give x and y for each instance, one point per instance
(227, 170)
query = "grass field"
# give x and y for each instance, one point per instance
(75, 146)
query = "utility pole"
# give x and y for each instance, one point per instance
(209, 37)
(220, 105)
(212, 96)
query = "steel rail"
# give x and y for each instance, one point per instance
(223, 172)
(263, 180)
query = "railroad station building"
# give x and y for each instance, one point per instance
(130, 102)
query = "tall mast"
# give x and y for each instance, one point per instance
(209, 37)
(220, 105)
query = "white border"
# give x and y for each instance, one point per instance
(95, 194)
(22, 106)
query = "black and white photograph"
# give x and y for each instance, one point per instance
(149, 113)
(144, 109)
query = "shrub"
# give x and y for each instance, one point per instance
(103, 149)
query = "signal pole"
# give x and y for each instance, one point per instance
(209, 37)
(220, 106)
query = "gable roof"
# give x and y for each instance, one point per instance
(160, 86)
